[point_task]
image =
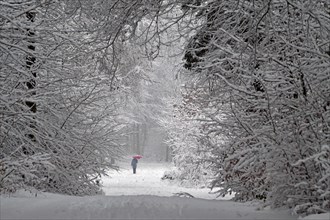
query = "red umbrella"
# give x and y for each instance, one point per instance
(137, 156)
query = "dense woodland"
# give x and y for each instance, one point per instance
(241, 88)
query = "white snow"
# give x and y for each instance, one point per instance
(139, 196)
(324, 216)
(147, 181)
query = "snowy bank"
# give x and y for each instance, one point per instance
(324, 216)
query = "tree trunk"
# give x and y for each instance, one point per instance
(31, 82)
(30, 61)
(137, 133)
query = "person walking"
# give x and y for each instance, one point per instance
(134, 165)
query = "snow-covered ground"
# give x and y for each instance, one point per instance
(139, 196)
(147, 181)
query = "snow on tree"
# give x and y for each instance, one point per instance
(156, 52)
(255, 110)
(265, 68)
(61, 75)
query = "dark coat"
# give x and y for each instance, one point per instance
(134, 162)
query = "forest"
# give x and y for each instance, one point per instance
(240, 89)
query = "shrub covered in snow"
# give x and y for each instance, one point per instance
(260, 82)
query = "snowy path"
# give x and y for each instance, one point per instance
(128, 196)
(147, 181)
(129, 207)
